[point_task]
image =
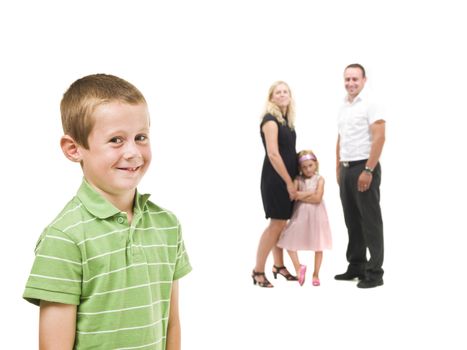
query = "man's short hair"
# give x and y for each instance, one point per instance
(357, 65)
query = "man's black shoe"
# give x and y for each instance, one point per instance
(348, 276)
(370, 283)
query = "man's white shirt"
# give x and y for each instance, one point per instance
(354, 122)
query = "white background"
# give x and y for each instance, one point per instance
(205, 68)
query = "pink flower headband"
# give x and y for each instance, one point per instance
(307, 157)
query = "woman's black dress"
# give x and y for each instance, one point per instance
(276, 201)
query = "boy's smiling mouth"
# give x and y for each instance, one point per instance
(130, 169)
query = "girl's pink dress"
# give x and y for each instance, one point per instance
(308, 228)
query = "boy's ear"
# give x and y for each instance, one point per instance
(70, 148)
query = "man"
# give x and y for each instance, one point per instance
(359, 146)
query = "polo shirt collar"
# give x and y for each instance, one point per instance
(140, 202)
(101, 207)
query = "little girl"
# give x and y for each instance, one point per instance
(308, 228)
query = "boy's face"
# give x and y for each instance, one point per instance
(119, 151)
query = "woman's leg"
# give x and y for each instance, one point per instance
(278, 255)
(267, 242)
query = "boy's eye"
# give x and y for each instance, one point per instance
(141, 138)
(116, 140)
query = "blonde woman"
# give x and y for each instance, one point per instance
(277, 186)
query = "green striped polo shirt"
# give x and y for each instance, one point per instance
(119, 274)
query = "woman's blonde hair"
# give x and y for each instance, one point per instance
(273, 109)
(311, 156)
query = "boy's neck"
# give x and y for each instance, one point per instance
(125, 206)
(123, 202)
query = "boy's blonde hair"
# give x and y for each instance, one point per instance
(273, 109)
(85, 94)
(309, 153)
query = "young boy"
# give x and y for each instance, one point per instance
(106, 269)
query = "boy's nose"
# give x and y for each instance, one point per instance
(131, 151)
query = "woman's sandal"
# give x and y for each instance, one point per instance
(265, 283)
(277, 270)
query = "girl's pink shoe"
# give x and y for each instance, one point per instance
(315, 282)
(301, 278)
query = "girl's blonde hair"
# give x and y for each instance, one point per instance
(273, 109)
(311, 156)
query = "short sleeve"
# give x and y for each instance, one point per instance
(268, 118)
(56, 274)
(376, 112)
(182, 262)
